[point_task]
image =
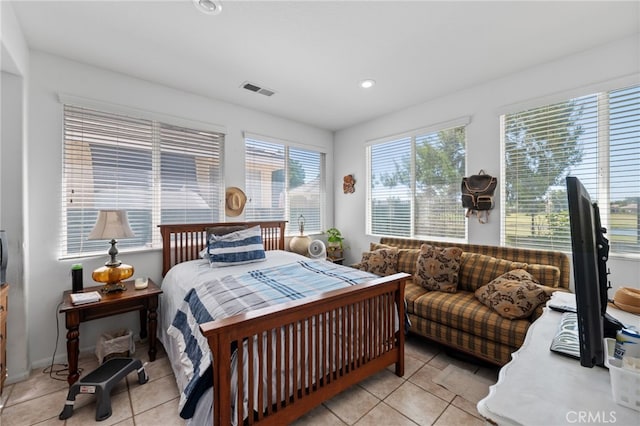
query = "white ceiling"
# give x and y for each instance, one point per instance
(314, 53)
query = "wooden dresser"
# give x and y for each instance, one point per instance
(4, 300)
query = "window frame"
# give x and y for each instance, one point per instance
(603, 186)
(292, 228)
(159, 120)
(413, 135)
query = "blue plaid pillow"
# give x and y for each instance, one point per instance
(244, 246)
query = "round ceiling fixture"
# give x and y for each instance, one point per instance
(367, 84)
(210, 7)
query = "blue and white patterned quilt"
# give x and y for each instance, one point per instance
(224, 297)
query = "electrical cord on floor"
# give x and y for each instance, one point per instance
(60, 373)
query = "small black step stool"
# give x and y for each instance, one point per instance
(100, 382)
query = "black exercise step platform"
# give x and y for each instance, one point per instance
(100, 382)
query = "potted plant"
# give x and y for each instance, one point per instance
(334, 243)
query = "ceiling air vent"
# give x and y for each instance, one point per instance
(255, 88)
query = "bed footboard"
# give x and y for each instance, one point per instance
(292, 357)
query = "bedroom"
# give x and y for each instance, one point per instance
(32, 80)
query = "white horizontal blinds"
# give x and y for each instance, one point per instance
(415, 184)
(390, 191)
(107, 165)
(190, 175)
(439, 169)
(594, 138)
(542, 146)
(158, 173)
(306, 189)
(265, 180)
(284, 182)
(624, 159)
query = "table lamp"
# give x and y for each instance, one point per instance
(112, 224)
(300, 243)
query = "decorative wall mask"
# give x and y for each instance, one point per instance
(348, 184)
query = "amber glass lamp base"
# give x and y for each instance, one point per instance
(112, 276)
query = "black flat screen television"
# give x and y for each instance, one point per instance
(590, 251)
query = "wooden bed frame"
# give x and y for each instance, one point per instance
(340, 337)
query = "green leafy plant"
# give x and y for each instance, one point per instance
(334, 236)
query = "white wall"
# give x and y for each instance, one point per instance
(611, 66)
(48, 276)
(13, 89)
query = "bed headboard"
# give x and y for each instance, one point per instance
(183, 242)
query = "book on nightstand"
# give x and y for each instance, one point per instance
(82, 298)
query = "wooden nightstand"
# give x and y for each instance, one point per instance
(145, 301)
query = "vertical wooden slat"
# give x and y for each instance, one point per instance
(321, 348)
(304, 361)
(273, 365)
(260, 344)
(336, 345)
(278, 361)
(399, 303)
(361, 333)
(327, 347)
(296, 361)
(287, 368)
(371, 324)
(378, 328)
(387, 315)
(309, 356)
(343, 345)
(250, 379)
(240, 380)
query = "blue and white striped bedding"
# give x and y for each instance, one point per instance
(216, 298)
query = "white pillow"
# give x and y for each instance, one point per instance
(244, 246)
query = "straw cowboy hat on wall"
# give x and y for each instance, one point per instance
(235, 200)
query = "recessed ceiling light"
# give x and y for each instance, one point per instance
(210, 7)
(366, 84)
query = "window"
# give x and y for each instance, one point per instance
(157, 172)
(414, 184)
(284, 182)
(595, 138)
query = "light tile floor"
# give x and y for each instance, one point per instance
(381, 399)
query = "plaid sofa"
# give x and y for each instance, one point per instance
(459, 320)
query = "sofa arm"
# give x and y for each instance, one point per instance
(537, 313)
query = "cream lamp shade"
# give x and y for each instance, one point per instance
(112, 224)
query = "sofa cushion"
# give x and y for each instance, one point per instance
(407, 258)
(462, 311)
(513, 295)
(383, 261)
(545, 274)
(413, 291)
(477, 270)
(437, 268)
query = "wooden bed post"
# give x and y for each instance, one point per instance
(402, 331)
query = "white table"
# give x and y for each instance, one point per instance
(540, 387)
